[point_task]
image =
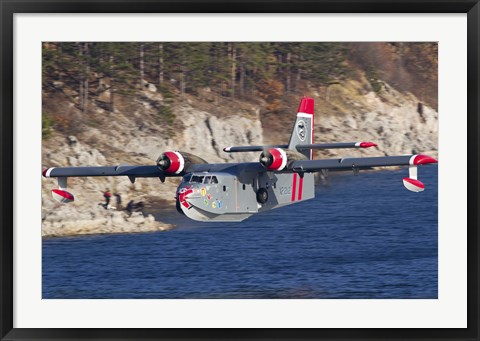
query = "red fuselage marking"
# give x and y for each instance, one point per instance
(183, 196)
(300, 188)
(294, 186)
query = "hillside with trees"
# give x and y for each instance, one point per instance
(105, 74)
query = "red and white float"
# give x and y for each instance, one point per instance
(62, 196)
(412, 183)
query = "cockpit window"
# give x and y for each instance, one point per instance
(197, 178)
(200, 179)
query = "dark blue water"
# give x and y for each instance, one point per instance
(362, 236)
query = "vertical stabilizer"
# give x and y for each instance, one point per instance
(303, 129)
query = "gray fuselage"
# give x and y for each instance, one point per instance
(236, 192)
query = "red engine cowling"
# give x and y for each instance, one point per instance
(171, 162)
(274, 159)
(176, 162)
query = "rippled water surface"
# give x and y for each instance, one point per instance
(362, 236)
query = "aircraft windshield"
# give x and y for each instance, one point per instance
(210, 180)
(197, 178)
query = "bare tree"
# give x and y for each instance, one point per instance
(160, 64)
(142, 65)
(87, 73)
(233, 59)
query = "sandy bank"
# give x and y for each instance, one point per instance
(98, 221)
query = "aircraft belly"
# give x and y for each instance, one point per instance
(199, 214)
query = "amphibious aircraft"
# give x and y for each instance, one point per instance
(235, 191)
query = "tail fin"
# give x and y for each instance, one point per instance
(303, 129)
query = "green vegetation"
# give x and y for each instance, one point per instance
(114, 74)
(47, 125)
(229, 69)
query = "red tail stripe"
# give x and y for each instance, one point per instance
(313, 128)
(306, 105)
(294, 186)
(300, 188)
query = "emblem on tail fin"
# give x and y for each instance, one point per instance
(301, 130)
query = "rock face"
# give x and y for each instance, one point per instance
(207, 135)
(399, 123)
(349, 112)
(202, 134)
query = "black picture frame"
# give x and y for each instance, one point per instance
(9, 8)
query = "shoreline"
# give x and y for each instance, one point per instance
(101, 221)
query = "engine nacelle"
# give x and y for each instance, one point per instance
(278, 159)
(274, 159)
(176, 162)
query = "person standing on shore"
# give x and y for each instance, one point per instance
(130, 207)
(107, 195)
(118, 199)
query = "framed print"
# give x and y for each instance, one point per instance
(153, 186)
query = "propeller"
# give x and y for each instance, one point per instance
(266, 158)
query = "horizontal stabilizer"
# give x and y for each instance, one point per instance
(241, 149)
(339, 145)
(299, 147)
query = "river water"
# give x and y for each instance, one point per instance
(362, 236)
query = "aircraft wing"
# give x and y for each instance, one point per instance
(168, 164)
(242, 149)
(171, 163)
(133, 172)
(411, 182)
(122, 170)
(361, 162)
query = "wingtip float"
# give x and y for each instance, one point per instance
(282, 176)
(412, 183)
